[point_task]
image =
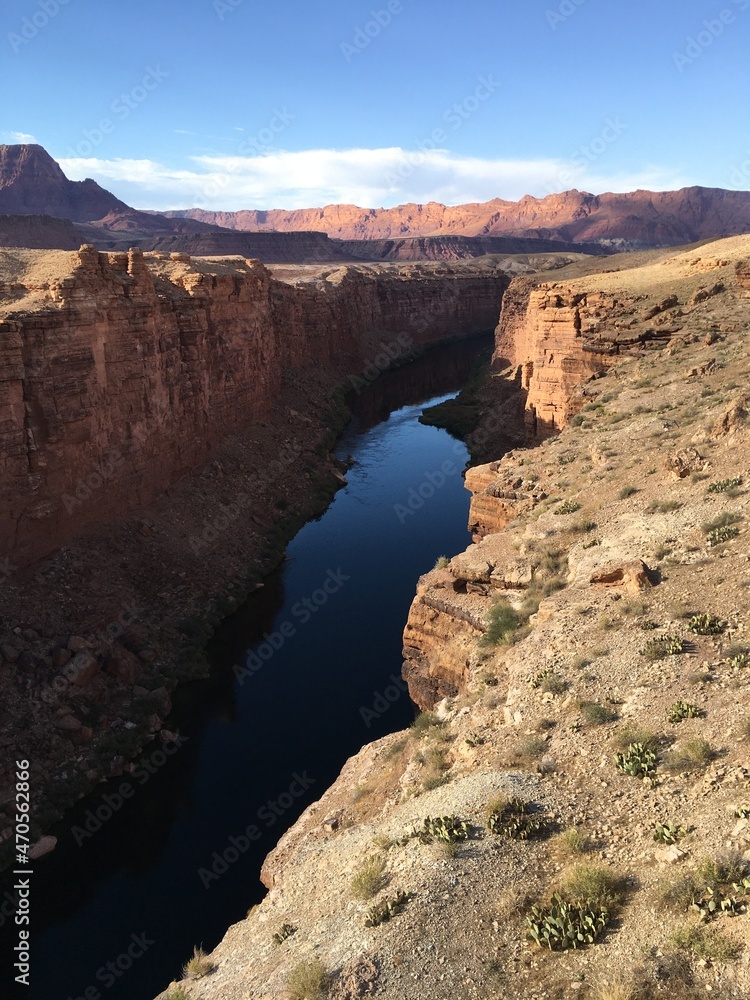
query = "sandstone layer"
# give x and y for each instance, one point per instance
(123, 373)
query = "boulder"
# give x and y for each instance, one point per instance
(681, 463)
(634, 576)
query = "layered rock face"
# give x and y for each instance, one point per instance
(553, 340)
(120, 373)
(642, 218)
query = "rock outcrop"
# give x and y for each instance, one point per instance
(120, 373)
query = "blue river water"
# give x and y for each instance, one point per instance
(305, 673)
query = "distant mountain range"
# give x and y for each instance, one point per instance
(641, 218)
(66, 212)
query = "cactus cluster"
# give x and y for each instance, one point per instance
(668, 833)
(385, 910)
(717, 902)
(683, 710)
(516, 820)
(717, 536)
(637, 761)
(705, 624)
(563, 925)
(740, 661)
(568, 507)
(725, 485)
(662, 647)
(449, 829)
(742, 813)
(285, 931)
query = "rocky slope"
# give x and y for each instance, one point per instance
(458, 247)
(644, 218)
(604, 610)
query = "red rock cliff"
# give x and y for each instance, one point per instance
(119, 373)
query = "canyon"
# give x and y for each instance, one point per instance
(156, 408)
(595, 544)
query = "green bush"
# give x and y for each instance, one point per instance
(596, 714)
(504, 622)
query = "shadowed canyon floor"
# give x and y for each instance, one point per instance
(603, 611)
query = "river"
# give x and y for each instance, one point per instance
(304, 674)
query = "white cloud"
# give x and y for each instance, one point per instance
(17, 137)
(366, 177)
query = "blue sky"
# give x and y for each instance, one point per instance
(234, 104)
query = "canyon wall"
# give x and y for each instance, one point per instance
(120, 373)
(555, 339)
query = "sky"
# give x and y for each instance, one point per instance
(232, 104)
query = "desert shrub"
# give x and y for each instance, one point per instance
(596, 714)
(532, 747)
(199, 966)
(706, 943)
(504, 622)
(369, 878)
(627, 491)
(594, 883)
(308, 980)
(284, 932)
(442, 563)
(426, 724)
(691, 754)
(633, 733)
